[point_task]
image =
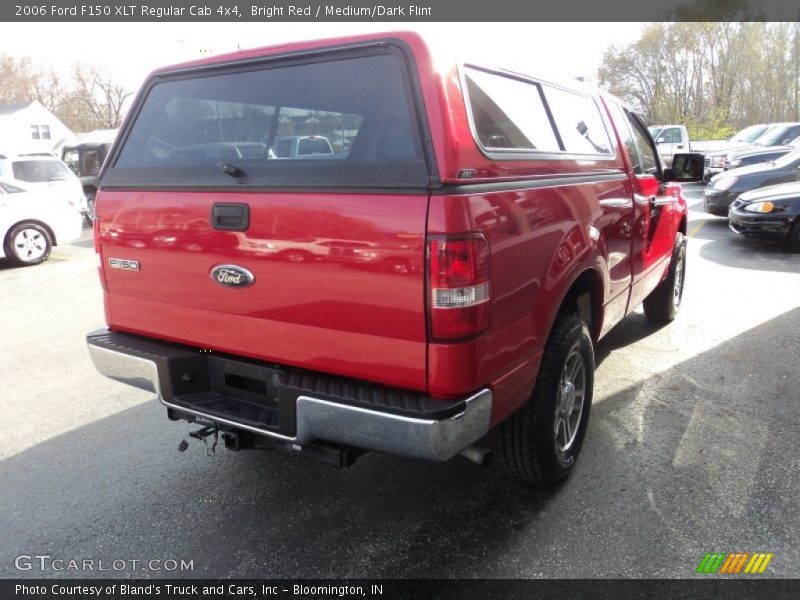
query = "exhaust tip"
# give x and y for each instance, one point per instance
(478, 455)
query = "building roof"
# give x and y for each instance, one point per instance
(7, 109)
(98, 136)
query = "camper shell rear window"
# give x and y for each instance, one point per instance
(351, 118)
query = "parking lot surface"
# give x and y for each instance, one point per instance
(692, 447)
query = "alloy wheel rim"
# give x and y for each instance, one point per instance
(30, 244)
(570, 401)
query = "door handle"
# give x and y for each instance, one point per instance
(680, 146)
(230, 217)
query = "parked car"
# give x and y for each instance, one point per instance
(85, 160)
(724, 188)
(771, 212)
(744, 158)
(218, 151)
(32, 222)
(715, 159)
(532, 216)
(777, 134)
(675, 138)
(46, 175)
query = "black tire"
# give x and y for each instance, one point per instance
(529, 449)
(664, 302)
(28, 244)
(794, 236)
(88, 216)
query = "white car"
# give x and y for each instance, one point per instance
(32, 222)
(302, 146)
(44, 174)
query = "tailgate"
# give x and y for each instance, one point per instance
(337, 280)
(275, 211)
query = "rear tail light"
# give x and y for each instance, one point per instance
(100, 272)
(459, 286)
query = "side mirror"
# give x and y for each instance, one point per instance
(661, 140)
(686, 168)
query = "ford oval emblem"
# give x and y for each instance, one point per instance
(232, 276)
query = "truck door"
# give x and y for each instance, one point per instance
(655, 210)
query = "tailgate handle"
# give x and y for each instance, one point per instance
(230, 217)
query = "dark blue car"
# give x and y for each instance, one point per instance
(724, 188)
(769, 212)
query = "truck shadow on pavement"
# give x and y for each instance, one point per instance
(703, 455)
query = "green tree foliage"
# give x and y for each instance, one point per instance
(715, 77)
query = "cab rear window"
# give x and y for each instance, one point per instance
(345, 122)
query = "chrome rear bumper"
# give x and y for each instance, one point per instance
(323, 419)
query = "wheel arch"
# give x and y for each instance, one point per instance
(41, 224)
(584, 296)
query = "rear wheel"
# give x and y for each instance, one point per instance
(541, 442)
(663, 303)
(28, 244)
(89, 214)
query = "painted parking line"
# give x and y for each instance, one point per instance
(697, 227)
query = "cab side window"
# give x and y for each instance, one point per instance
(621, 121)
(647, 154)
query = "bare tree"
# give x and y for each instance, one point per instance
(97, 97)
(50, 90)
(17, 78)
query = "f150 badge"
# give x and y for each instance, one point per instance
(124, 264)
(232, 276)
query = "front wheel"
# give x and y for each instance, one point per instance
(541, 442)
(663, 303)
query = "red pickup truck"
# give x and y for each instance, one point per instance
(433, 286)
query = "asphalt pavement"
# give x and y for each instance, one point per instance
(692, 447)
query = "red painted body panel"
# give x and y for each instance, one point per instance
(340, 278)
(345, 311)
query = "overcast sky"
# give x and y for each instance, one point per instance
(132, 50)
